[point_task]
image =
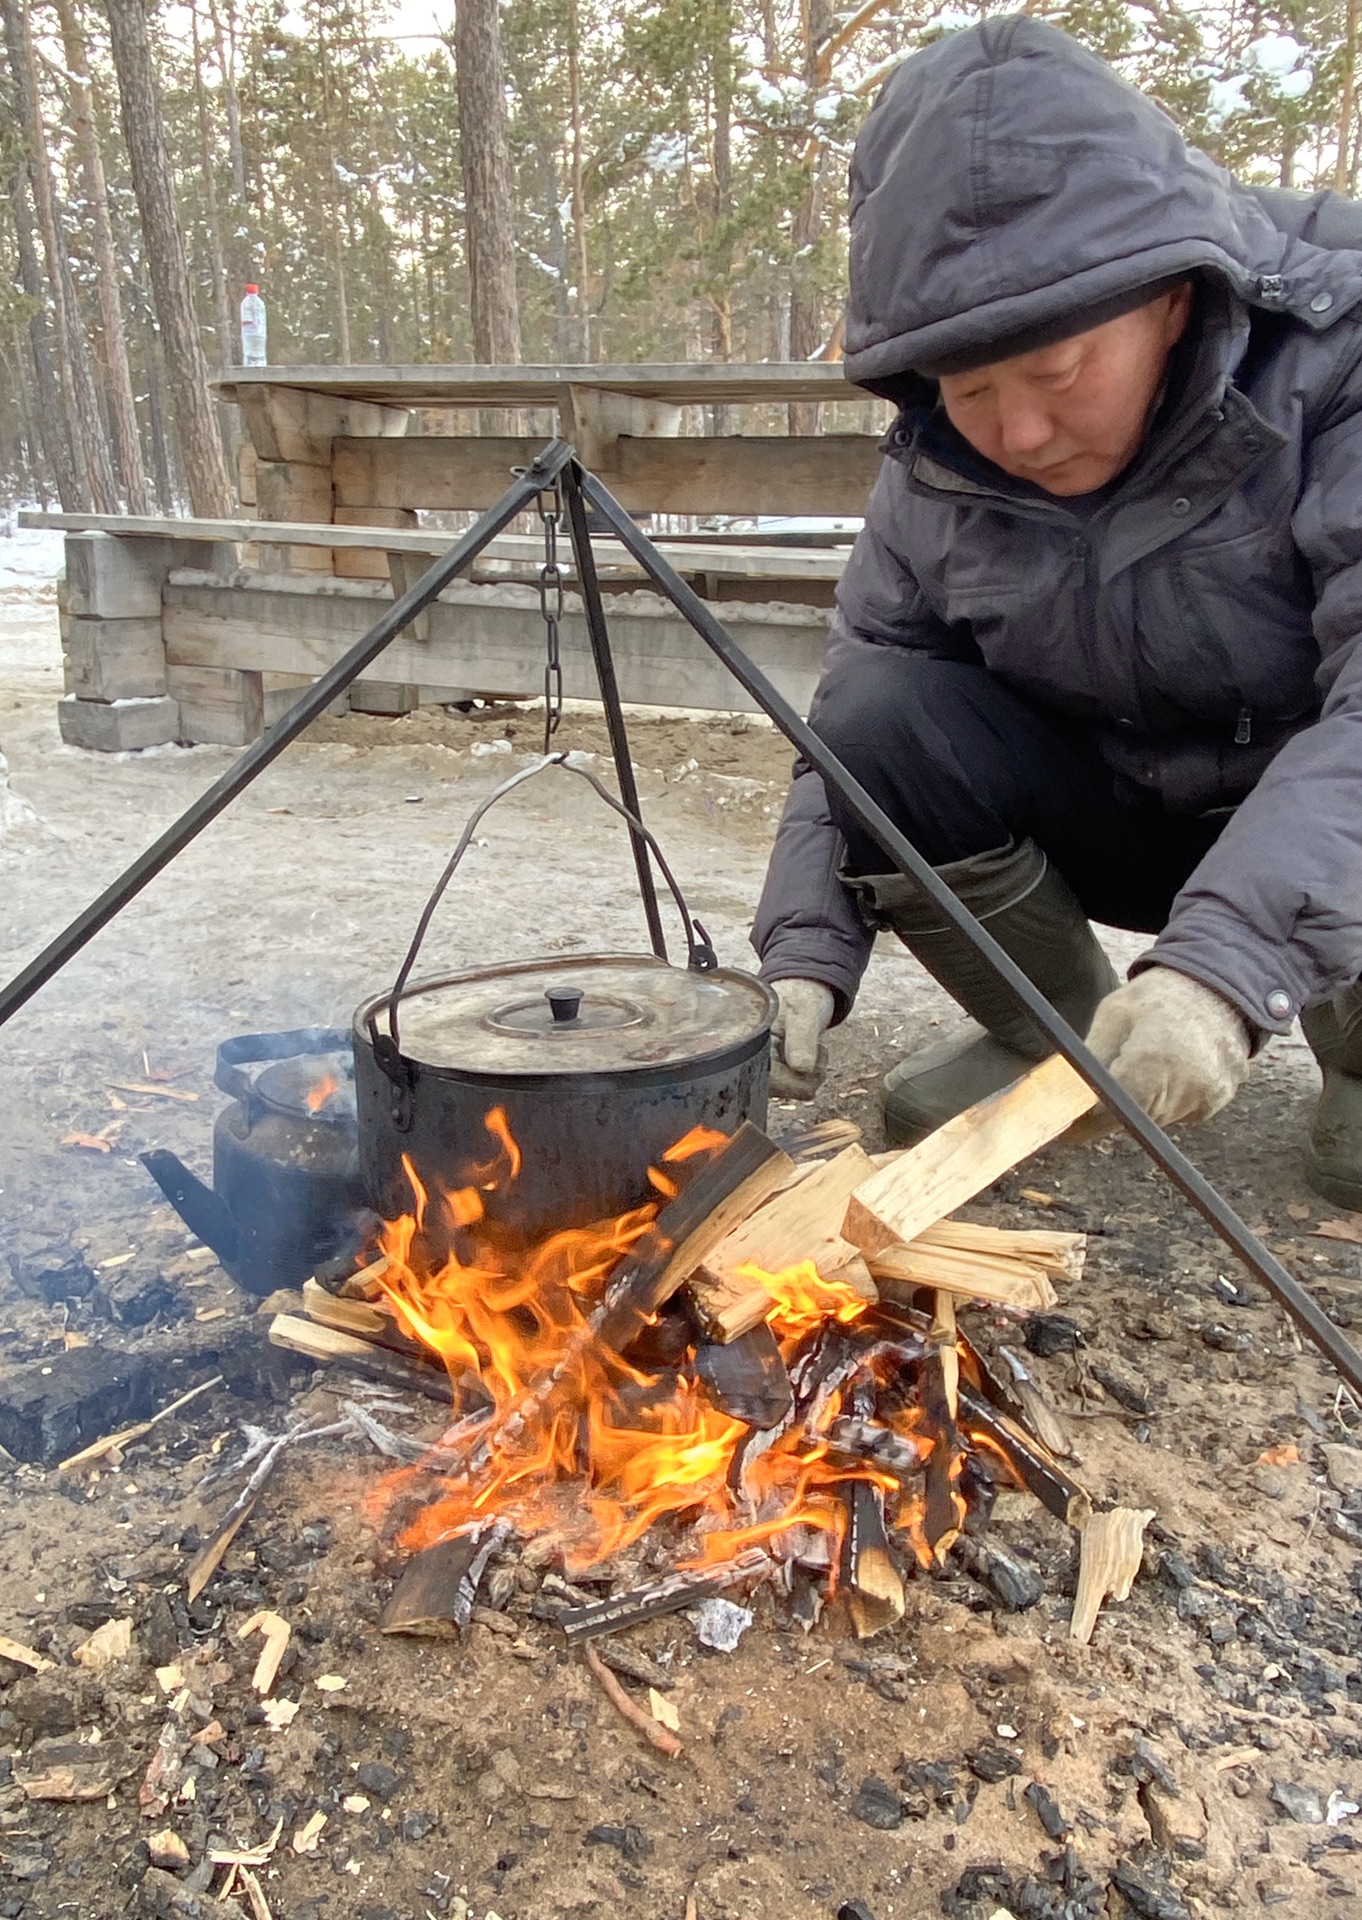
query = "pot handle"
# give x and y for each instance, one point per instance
(700, 953)
(233, 1055)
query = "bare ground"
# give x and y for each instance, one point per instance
(496, 1779)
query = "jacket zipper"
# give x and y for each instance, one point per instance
(1243, 728)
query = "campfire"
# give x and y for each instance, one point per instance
(756, 1376)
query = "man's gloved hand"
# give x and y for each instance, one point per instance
(1177, 1046)
(798, 1056)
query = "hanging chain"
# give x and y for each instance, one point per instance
(550, 505)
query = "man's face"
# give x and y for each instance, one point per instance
(1070, 417)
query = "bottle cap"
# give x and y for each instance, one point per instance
(251, 287)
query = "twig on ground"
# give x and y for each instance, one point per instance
(652, 1730)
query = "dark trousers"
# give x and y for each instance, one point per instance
(962, 765)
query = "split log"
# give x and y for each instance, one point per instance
(1110, 1551)
(963, 1157)
(746, 1378)
(1033, 1464)
(328, 1346)
(802, 1222)
(367, 1320)
(869, 1575)
(1014, 1582)
(440, 1584)
(672, 1594)
(971, 1275)
(1036, 1412)
(939, 1392)
(717, 1199)
(1059, 1254)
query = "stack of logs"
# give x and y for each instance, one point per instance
(880, 1383)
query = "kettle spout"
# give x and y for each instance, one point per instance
(203, 1211)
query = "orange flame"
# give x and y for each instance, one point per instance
(612, 1450)
(319, 1093)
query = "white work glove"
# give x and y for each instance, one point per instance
(798, 1056)
(1177, 1046)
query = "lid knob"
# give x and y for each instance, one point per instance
(565, 1003)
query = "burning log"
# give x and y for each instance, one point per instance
(950, 1166)
(671, 1594)
(719, 1197)
(801, 1223)
(863, 1440)
(1110, 1552)
(374, 1322)
(939, 1391)
(1032, 1464)
(746, 1378)
(440, 1584)
(869, 1574)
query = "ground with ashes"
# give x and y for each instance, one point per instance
(1189, 1751)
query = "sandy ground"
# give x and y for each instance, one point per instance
(487, 1776)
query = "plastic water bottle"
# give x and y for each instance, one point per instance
(253, 329)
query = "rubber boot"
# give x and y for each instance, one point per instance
(1333, 1151)
(1033, 914)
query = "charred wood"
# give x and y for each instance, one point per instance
(440, 1584)
(869, 1573)
(1034, 1466)
(1013, 1582)
(746, 1377)
(671, 1594)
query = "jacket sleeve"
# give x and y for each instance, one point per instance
(807, 924)
(1272, 917)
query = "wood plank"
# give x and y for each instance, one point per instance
(747, 558)
(748, 474)
(969, 1153)
(659, 660)
(688, 383)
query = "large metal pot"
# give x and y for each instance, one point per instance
(599, 1064)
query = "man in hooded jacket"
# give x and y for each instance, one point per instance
(1098, 650)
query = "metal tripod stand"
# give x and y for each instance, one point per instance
(557, 466)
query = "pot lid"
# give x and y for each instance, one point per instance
(314, 1086)
(599, 1013)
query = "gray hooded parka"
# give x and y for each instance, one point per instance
(1205, 623)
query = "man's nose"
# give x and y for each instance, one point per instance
(1024, 424)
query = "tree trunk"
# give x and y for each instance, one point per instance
(122, 407)
(806, 317)
(333, 204)
(485, 152)
(582, 266)
(210, 493)
(1343, 165)
(56, 444)
(93, 473)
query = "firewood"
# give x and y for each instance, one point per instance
(1059, 1254)
(328, 1346)
(718, 1198)
(1036, 1412)
(746, 1378)
(1032, 1463)
(802, 1222)
(729, 1305)
(969, 1274)
(671, 1594)
(440, 1584)
(1110, 1551)
(939, 1394)
(872, 1581)
(932, 1179)
(372, 1321)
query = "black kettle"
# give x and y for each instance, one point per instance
(286, 1194)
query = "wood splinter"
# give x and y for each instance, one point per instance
(1110, 1551)
(652, 1730)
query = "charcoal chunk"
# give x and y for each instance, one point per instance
(992, 1763)
(1050, 1333)
(1047, 1810)
(49, 1270)
(877, 1804)
(377, 1777)
(631, 1841)
(1151, 1899)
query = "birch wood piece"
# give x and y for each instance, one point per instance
(1110, 1551)
(971, 1276)
(731, 1305)
(966, 1155)
(948, 1357)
